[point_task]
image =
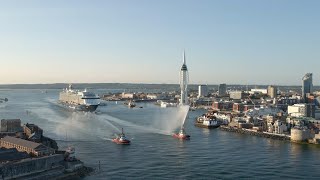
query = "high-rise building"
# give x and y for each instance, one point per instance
(184, 79)
(307, 86)
(222, 90)
(272, 91)
(202, 91)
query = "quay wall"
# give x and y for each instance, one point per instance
(30, 166)
(254, 133)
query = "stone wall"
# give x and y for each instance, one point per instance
(30, 166)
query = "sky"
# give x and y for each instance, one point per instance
(142, 41)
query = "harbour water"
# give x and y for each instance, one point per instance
(154, 154)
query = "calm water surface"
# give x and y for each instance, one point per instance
(153, 154)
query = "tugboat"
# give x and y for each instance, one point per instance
(207, 122)
(181, 135)
(121, 139)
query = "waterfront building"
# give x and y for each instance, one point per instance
(277, 127)
(238, 107)
(302, 110)
(272, 91)
(222, 105)
(152, 96)
(202, 91)
(33, 132)
(264, 111)
(10, 125)
(184, 80)
(22, 145)
(222, 90)
(128, 95)
(307, 86)
(299, 134)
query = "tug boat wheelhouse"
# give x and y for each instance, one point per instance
(121, 139)
(181, 135)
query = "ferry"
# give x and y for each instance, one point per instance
(79, 100)
(181, 135)
(207, 122)
(121, 139)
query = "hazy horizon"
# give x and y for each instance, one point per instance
(123, 83)
(234, 42)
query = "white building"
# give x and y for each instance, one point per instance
(262, 91)
(277, 127)
(202, 91)
(128, 95)
(263, 111)
(302, 110)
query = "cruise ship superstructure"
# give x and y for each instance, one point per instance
(79, 100)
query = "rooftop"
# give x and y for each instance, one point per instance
(21, 142)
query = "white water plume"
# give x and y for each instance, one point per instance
(141, 128)
(113, 126)
(169, 119)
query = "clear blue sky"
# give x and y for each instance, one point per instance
(229, 41)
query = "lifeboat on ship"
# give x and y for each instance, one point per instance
(181, 135)
(121, 139)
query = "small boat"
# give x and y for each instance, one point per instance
(131, 104)
(121, 139)
(181, 135)
(207, 122)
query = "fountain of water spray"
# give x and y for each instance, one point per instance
(170, 119)
(184, 110)
(141, 128)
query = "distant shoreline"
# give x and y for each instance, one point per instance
(130, 86)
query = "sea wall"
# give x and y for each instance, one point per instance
(30, 166)
(254, 133)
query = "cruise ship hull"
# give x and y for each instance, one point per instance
(85, 108)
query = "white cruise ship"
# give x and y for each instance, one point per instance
(79, 100)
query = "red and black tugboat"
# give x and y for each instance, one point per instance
(181, 135)
(121, 139)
